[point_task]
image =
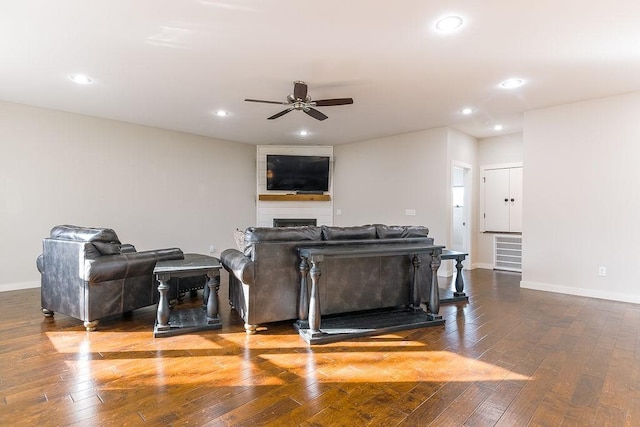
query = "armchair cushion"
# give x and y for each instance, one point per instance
(84, 234)
(121, 266)
(107, 248)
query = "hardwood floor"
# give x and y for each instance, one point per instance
(509, 357)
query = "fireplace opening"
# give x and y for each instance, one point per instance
(294, 222)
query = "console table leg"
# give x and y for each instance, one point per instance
(415, 283)
(434, 292)
(314, 302)
(303, 301)
(205, 294)
(163, 305)
(213, 284)
(459, 279)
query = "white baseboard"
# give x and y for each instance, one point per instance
(482, 265)
(4, 287)
(591, 293)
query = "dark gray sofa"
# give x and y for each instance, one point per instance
(88, 274)
(264, 279)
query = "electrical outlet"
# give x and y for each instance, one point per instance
(212, 249)
(602, 271)
(338, 211)
(410, 212)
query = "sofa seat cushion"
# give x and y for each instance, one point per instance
(349, 233)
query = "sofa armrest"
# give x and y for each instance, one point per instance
(40, 263)
(240, 265)
(114, 267)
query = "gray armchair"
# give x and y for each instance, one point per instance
(88, 274)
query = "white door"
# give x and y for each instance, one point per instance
(496, 200)
(515, 199)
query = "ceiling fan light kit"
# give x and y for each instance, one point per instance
(301, 101)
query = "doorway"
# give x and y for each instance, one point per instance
(461, 190)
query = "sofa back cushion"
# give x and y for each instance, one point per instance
(400, 231)
(362, 232)
(281, 234)
(253, 235)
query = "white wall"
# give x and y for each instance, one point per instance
(155, 188)
(500, 149)
(376, 180)
(503, 149)
(581, 180)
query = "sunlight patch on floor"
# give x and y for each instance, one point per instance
(404, 366)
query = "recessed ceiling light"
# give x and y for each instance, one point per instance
(498, 127)
(512, 83)
(466, 111)
(303, 133)
(221, 113)
(81, 79)
(449, 24)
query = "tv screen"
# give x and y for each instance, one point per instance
(297, 173)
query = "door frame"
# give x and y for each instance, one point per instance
(468, 209)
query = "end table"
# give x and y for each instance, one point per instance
(180, 321)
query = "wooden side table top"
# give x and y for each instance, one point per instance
(191, 263)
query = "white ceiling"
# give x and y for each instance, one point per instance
(172, 63)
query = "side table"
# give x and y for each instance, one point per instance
(180, 321)
(458, 294)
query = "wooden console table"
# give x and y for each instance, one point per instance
(309, 311)
(182, 321)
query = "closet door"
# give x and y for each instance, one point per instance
(496, 200)
(515, 200)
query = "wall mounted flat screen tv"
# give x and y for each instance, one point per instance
(297, 173)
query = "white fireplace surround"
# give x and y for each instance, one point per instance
(267, 211)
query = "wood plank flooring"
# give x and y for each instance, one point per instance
(508, 357)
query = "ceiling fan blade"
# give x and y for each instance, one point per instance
(336, 101)
(315, 113)
(280, 114)
(300, 90)
(267, 102)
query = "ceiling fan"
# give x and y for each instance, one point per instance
(299, 100)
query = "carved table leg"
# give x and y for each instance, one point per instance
(91, 326)
(163, 304)
(459, 279)
(303, 300)
(213, 285)
(415, 283)
(434, 293)
(314, 302)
